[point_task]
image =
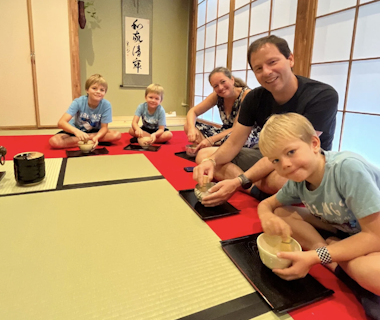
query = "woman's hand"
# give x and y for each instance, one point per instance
(192, 135)
(205, 143)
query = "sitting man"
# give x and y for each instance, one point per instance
(281, 91)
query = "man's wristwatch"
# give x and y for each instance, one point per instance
(244, 181)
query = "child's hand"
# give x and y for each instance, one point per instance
(275, 226)
(96, 141)
(301, 264)
(153, 136)
(82, 136)
(139, 133)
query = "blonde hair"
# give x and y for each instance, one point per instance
(96, 79)
(287, 126)
(155, 88)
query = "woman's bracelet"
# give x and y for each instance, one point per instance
(212, 160)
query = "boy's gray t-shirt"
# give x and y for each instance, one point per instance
(350, 190)
(151, 121)
(86, 118)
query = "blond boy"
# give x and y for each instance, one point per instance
(341, 194)
(153, 117)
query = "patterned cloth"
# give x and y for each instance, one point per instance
(209, 130)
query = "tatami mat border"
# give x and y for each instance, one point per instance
(111, 182)
(243, 308)
(61, 178)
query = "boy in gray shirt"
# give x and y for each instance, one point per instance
(341, 194)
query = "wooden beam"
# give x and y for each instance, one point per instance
(74, 48)
(304, 36)
(231, 22)
(192, 51)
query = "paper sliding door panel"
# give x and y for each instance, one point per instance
(52, 49)
(17, 103)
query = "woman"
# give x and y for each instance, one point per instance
(229, 92)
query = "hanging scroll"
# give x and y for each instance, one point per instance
(137, 42)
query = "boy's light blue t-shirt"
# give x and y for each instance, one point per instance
(151, 121)
(350, 190)
(87, 119)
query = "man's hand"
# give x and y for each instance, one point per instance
(221, 192)
(205, 168)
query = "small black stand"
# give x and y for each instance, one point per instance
(184, 156)
(207, 213)
(79, 153)
(137, 147)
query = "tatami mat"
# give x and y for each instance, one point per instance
(126, 251)
(8, 183)
(105, 168)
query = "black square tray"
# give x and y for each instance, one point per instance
(206, 213)
(137, 147)
(280, 294)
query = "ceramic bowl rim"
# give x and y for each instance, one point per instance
(272, 254)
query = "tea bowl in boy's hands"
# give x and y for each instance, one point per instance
(145, 142)
(269, 246)
(86, 146)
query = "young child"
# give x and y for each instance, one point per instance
(341, 194)
(153, 117)
(87, 118)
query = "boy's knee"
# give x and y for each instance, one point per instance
(117, 135)
(54, 143)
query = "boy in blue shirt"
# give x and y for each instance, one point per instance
(341, 194)
(153, 117)
(87, 118)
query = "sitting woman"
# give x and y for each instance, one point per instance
(229, 92)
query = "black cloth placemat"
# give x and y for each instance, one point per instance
(184, 156)
(137, 147)
(280, 294)
(206, 213)
(79, 153)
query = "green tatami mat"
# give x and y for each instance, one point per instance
(105, 168)
(8, 183)
(126, 251)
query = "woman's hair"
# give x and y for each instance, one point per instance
(280, 43)
(155, 88)
(96, 79)
(237, 83)
(286, 126)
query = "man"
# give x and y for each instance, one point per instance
(281, 91)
